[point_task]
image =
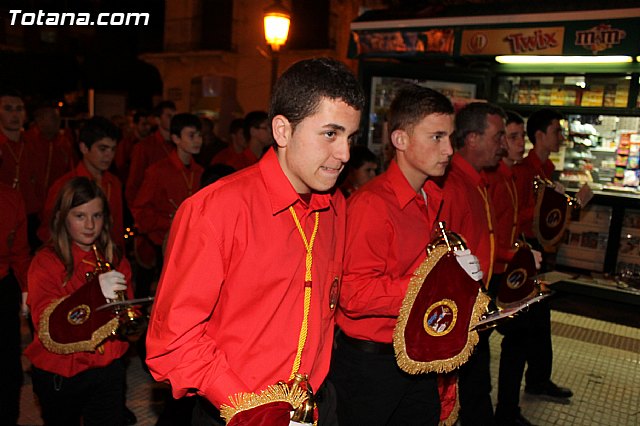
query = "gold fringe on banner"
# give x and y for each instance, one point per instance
(440, 366)
(280, 392)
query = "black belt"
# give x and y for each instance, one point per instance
(368, 346)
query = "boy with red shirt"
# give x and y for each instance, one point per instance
(389, 225)
(254, 261)
(166, 185)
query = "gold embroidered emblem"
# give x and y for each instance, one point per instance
(440, 318)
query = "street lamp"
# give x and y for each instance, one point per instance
(276, 29)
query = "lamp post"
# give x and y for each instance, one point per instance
(276, 29)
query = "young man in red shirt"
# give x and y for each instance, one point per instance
(98, 139)
(166, 185)
(234, 154)
(151, 149)
(390, 222)
(254, 261)
(545, 132)
(21, 160)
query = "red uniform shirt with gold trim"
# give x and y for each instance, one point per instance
(524, 174)
(14, 248)
(166, 185)
(388, 228)
(504, 195)
(19, 168)
(47, 283)
(109, 184)
(149, 150)
(230, 302)
(465, 211)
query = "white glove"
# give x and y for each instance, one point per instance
(110, 282)
(559, 188)
(469, 263)
(537, 257)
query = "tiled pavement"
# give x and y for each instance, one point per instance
(598, 360)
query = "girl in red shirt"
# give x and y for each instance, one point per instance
(87, 385)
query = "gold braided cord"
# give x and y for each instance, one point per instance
(513, 193)
(304, 327)
(492, 240)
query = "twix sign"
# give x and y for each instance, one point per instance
(513, 41)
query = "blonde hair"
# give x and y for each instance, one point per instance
(74, 193)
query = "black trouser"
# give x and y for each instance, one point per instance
(94, 395)
(10, 350)
(474, 378)
(372, 390)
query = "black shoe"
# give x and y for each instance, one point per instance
(550, 390)
(129, 417)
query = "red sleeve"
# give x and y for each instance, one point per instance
(178, 348)
(136, 172)
(149, 217)
(367, 288)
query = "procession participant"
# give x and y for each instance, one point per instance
(98, 139)
(166, 185)
(54, 145)
(21, 160)
(151, 149)
(14, 263)
(504, 196)
(139, 131)
(546, 134)
(467, 209)
(389, 225)
(234, 154)
(78, 385)
(256, 134)
(253, 263)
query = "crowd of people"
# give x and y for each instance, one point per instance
(278, 260)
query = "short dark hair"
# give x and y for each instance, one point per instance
(540, 120)
(412, 103)
(253, 120)
(161, 106)
(300, 89)
(513, 117)
(472, 118)
(180, 121)
(7, 91)
(235, 125)
(97, 128)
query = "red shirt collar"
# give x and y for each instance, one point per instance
(176, 161)
(402, 189)
(281, 192)
(461, 165)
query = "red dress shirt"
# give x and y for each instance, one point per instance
(231, 158)
(149, 150)
(47, 284)
(524, 174)
(388, 229)
(504, 196)
(466, 201)
(229, 305)
(14, 248)
(20, 163)
(56, 156)
(110, 185)
(166, 185)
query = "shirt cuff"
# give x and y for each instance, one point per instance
(226, 385)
